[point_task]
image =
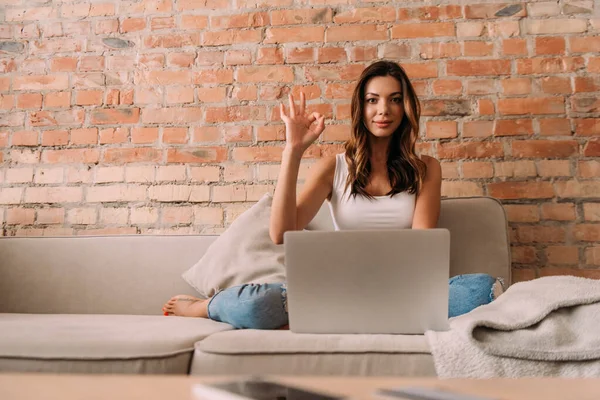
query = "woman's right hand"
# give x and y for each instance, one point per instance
(301, 130)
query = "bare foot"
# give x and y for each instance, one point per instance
(186, 306)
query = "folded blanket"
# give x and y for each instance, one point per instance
(545, 327)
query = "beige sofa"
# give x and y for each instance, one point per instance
(93, 305)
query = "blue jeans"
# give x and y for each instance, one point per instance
(263, 306)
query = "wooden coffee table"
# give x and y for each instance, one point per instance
(164, 387)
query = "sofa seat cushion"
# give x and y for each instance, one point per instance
(101, 338)
(252, 341)
(243, 352)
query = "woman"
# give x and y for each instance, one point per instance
(378, 183)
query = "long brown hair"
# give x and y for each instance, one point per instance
(405, 169)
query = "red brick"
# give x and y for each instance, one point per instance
(132, 155)
(57, 99)
(421, 70)
(174, 135)
(588, 169)
(115, 116)
(516, 86)
(197, 155)
(549, 45)
(244, 20)
(545, 65)
(520, 190)
(485, 11)
(158, 23)
(113, 135)
(88, 97)
(179, 94)
(555, 127)
(71, 156)
(29, 100)
(106, 26)
(551, 168)
(555, 85)
(356, 32)
(55, 138)
(173, 115)
(447, 87)
(534, 105)
(470, 150)
(478, 49)
(337, 54)
(522, 213)
(585, 44)
(477, 128)
(540, 234)
(238, 57)
(245, 93)
(333, 73)
(481, 86)
(269, 55)
(587, 84)
(558, 211)
(211, 94)
(287, 35)
(194, 22)
(52, 118)
(430, 13)
(476, 67)
(207, 134)
(300, 55)
(562, 254)
(592, 148)
(364, 15)
(427, 51)
(144, 135)
(91, 63)
(587, 232)
(180, 60)
(412, 31)
(257, 153)
(514, 47)
(441, 129)
(237, 134)
(235, 114)
(592, 255)
(214, 76)
(585, 104)
(184, 5)
(577, 189)
(229, 37)
(25, 138)
(544, 148)
(164, 78)
(587, 127)
(355, 54)
(41, 82)
(30, 14)
(476, 170)
(172, 40)
(20, 216)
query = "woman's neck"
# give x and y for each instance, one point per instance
(379, 151)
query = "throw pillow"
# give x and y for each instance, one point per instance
(244, 253)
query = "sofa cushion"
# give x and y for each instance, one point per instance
(60, 337)
(284, 352)
(244, 253)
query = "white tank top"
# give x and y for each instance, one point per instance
(383, 212)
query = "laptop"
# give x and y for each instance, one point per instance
(368, 281)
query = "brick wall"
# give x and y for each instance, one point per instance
(159, 116)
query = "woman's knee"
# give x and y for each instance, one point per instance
(253, 306)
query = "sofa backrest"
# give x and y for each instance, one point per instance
(137, 274)
(479, 240)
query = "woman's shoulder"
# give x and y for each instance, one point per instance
(433, 166)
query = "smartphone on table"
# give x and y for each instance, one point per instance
(256, 389)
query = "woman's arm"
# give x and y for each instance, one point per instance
(301, 130)
(427, 208)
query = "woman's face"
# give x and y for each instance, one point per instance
(383, 105)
